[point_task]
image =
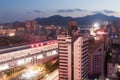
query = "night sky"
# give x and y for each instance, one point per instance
(21, 10)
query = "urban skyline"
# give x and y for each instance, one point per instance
(24, 9)
(59, 40)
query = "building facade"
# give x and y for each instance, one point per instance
(73, 63)
(73, 55)
(31, 25)
(96, 59)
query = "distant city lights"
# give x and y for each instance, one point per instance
(4, 67)
(30, 75)
(21, 62)
(11, 34)
(101, 32)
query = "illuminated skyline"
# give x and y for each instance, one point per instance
(21, 10)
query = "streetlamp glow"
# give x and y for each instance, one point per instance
(107, 79)
(96, 25)
(11, 34)
(118, 66)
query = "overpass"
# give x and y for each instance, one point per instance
(27, 54)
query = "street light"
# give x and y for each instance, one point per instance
(96, 25)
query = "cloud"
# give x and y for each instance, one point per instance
(36, 11)
(70, 10)
(96, 12)
(65, 10)
(81, 10)
(108, 11)
(104, 11)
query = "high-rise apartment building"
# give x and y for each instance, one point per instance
(73, 55)
(96, 58)
(31, 25)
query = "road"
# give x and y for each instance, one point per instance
(30, 73)
(52, 76)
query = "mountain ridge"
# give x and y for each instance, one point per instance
(89, 19)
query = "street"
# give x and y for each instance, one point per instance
(52, 76)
